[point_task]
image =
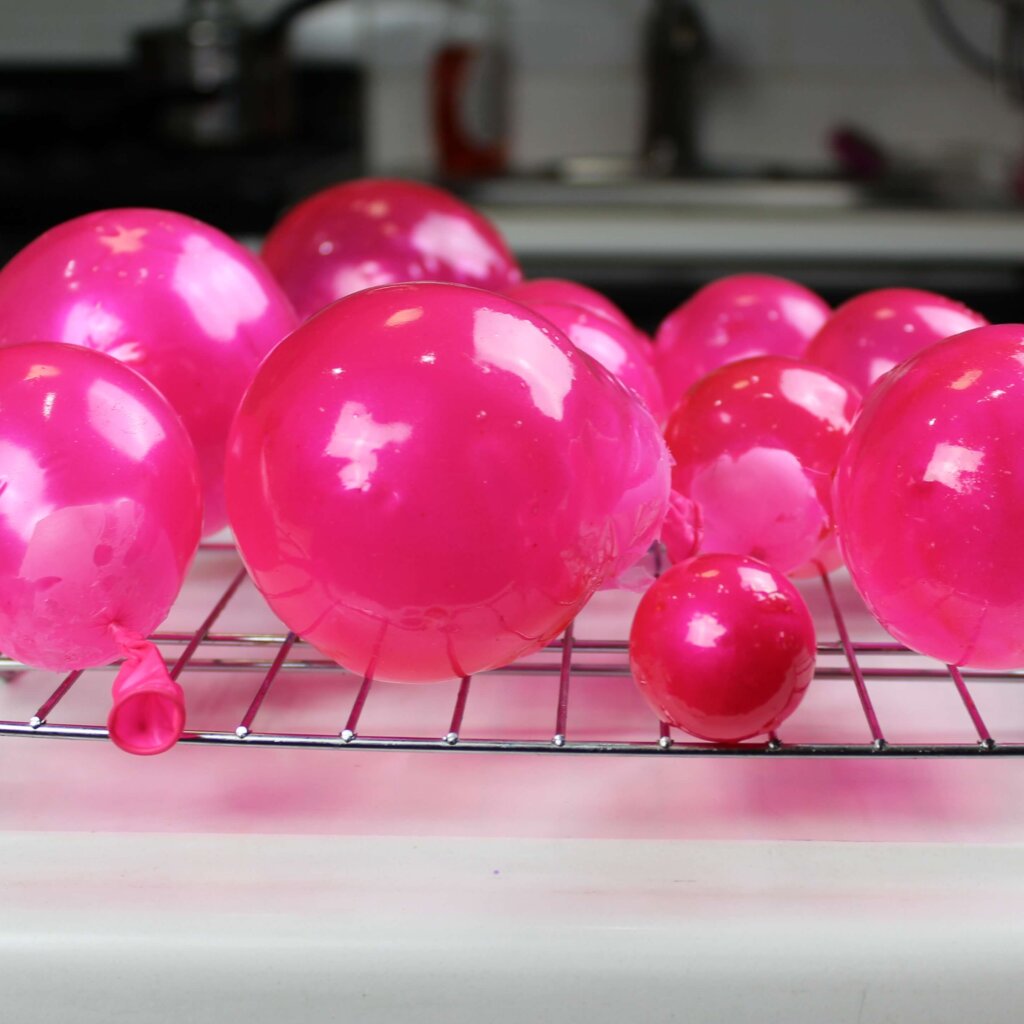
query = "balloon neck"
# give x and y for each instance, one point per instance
(147, 715)
(681, 532)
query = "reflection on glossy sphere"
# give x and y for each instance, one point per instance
(730, 319)
(929, 499)
(379, 231)
(723, 647)
(100, 506)
(756, 445)
(544, 290)
(873, 332)
(175, 299)
(430, 480)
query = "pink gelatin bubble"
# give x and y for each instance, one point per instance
(730, 319)
(756, 444)
(929, 498)
(100, 514)
(378, 231)
(871, 333)
(171, 297)
(429, 480)
(723, 647)
(547, 290)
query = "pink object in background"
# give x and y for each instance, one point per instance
(545, 290)
(929, 498)
(378, 231)
(731, 319)
(615, 347)
(723, 647)
(756, 444)
(100, 513)
(429, 480)
(871, 333)
(175, 299)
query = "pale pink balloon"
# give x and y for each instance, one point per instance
(377, 231)
(545, 290)
(871, 333)
(615, 347)
(730, 319)
(756, 444)
(100, 513)
(429, 480)
(929, 500)
(175, 299)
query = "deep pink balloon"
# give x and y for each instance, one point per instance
(930, 500)
(545, 290)
(756, 444)
(871, 333)
(380, 231)
(429, 480)
(723, 647)
(175, 299)
(615, 347)
(730, 319)
(100, 513)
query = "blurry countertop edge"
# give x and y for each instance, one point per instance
(609, 233)
(163, 926)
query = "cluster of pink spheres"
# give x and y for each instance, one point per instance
(430, 465)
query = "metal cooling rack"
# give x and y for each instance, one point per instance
(268, 654)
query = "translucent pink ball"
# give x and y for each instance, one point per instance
(930, 500)
(175, 299)
(723, 647)
(380, 231)
(429, 480)
(545, 290)
(100, 505)
(756, 444)
(615, 347)
(871, 333)
(730, 319)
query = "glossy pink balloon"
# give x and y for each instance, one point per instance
(756, 444)
(380, 231)
(723, 647)
(613, 346)
(546, 290)
(873, 332)
(429, 480)
(730, 319)
(172, 297)
(100, 513)
(930, 500)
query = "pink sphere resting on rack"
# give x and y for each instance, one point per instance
(871, 333)
(378, 231)
(929, 496)
(429, 480)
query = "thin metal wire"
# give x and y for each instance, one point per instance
(245, 726)
(452, 736)
(55, 698)
(348, 734)
(564, 679)
(984, 736)
(207, 624)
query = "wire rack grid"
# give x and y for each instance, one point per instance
(256, 660)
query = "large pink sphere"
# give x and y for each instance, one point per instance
(756, 444)
(100, 505)
(175, 299)
(930, 500)
(545, 290)
(615, 347)
(380, 231)
(723, 647)
(871, 333)
(730, 319)
(429, 480)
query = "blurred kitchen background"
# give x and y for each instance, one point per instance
(643, 146)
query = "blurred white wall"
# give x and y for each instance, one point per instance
(786, 71)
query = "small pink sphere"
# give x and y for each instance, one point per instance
(546, 290)
(430, 480)
(377, 231)
(615, 347)
(730, 319)
(175, 299)
(100, 505)
(723, 647)
(871, 333)
(756, 444)
(929, 500)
